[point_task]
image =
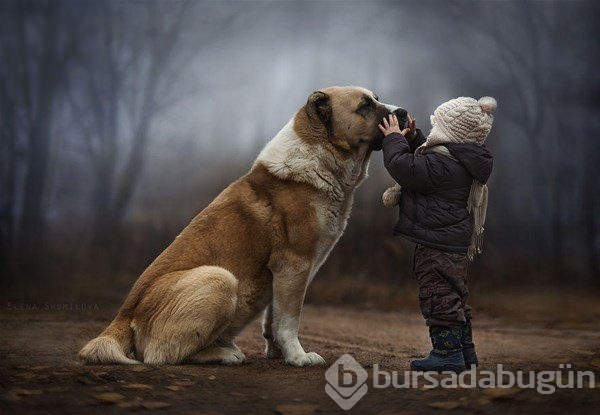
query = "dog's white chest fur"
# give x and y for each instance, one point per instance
(332, 222)
(287, 156)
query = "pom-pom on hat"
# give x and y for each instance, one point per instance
(463, 120)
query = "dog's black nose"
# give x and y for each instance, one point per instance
(400, 113)
(402, 116)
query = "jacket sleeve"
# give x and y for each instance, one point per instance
(417, 141)
(407, 170)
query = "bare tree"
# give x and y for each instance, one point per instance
(523, 33)
(127, 69)
(39, 48)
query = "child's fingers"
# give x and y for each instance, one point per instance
(385, 123)
(395, 120)
(382, 128)
(405, 131)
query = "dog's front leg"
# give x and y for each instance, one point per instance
(290, 279)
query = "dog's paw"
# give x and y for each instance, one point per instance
(306, 359)
(391, 197)
(236, 357)
(221, 355)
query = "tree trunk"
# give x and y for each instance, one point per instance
(590, 207)
(8, 197)
(32, 219)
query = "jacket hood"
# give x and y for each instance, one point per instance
(476, 159)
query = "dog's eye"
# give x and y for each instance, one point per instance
(366, 108)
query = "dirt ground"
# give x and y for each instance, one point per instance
(39, 373)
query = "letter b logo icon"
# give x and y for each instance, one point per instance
(346, 382)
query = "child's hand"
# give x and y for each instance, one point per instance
(393, 127)
(412, 129)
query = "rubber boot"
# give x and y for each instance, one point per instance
(468, 347)
(447, 351)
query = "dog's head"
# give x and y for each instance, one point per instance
(350, 115)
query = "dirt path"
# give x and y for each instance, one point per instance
(39, 373)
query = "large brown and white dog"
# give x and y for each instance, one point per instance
(256, 247)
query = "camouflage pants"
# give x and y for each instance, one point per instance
(443, 292)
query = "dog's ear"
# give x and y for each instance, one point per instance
(318, 109)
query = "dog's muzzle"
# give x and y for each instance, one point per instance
(402, 116)
(400, 113)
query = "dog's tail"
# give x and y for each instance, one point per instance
(112, 345)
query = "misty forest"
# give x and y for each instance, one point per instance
(122, 120)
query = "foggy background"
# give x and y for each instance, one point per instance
(119, 121)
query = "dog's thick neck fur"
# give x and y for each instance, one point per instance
(289, 157)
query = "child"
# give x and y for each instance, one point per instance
(442, 209)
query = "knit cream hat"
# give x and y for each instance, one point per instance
(462, 120)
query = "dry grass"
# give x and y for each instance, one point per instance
(552, 306)
(363, 294)
(527, 305)
(549, 306)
